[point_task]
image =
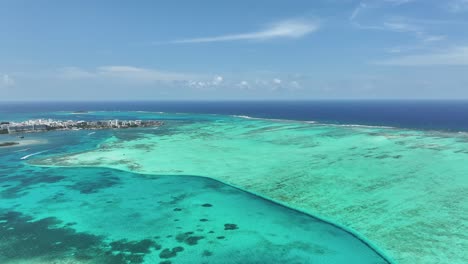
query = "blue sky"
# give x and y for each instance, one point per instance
(192, 50)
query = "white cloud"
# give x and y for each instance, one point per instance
(217, 80)
(244, 85)
(282, 29)
(295, 85)
(139, 76)
(207, 84)
(7, 81)
(457, 56)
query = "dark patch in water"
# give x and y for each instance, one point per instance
(230, 227)
(177, 209)
(170, 253)
(207, 253)
(25, 182)
(207, 205)
(188, 239)
(177, 199)
(22, 238)
(178, 249)
(93, 186)
(203, 220)
(134, 247)
(221, 237)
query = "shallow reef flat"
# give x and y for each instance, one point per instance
(105, 216)
(405, 191)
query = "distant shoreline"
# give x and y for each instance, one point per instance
(43, 125)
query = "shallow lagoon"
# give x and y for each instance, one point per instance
(404, 190)
(100, 215)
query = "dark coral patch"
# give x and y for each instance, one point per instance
(167, 253)
(230, 227)
(23, 238)
(221, 237)
(203, 220)
(207, 253)
(140, 247)
(207, 205)
(188, 239)
(95, 185)
(25, 182)
(177, 209)
(193, 240)
(170, 253)
(178, 249)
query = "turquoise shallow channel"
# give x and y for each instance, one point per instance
(262, 191)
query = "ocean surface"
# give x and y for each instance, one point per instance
(227, 182)
(433, 115)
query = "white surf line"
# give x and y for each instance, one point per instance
(89, 134)
(33, 154)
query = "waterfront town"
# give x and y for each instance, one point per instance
(42, 125)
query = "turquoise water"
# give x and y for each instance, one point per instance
(103, 215)
(404, 191)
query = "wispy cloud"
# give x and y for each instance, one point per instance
(399, 2)
(123, 72)
(457, 56)
(142, 74)
(403, 25)
(376, 4)
(295, 28)
(356, 10)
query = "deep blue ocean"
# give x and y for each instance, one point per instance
(428, 115)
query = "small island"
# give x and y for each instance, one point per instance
(42, 125)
